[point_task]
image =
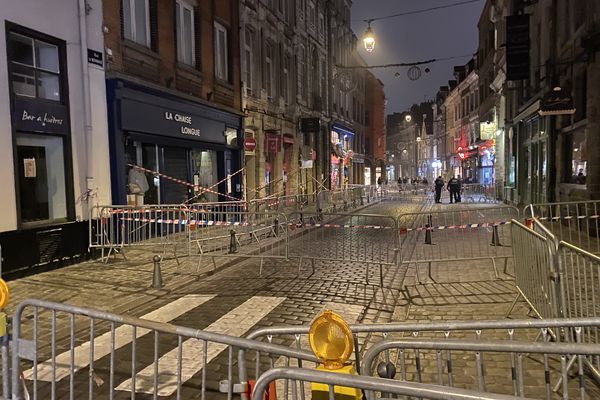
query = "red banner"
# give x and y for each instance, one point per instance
(273, 143)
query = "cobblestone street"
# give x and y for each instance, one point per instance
(456, 290)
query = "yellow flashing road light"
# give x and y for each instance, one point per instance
(4, 292)
(331, 341)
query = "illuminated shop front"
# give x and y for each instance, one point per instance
(341, 155)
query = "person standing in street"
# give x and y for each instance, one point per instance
(454, 189)
(439, 185)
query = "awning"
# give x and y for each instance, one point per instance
(342, 130)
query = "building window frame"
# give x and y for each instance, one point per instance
(31, 73)
(269, 70)
(221, 52)
(181, 6)
(285, 81)
(249, 60)
(131, 22)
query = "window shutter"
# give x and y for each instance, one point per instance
(197, 38)
(153, 25)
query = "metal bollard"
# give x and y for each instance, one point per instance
(345, 205)
(495, 237)
(157, 282)
(320, 215)
(232, 242)
(276, 227)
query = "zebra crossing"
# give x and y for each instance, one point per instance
(161, 373)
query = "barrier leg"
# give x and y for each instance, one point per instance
(428, 234)
(381, 274)
(512, 305)
(495, 237)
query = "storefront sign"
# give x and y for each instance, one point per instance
(149, 118)
(517, 47)
(487, 130)
(186, 120)
(273, 143)
(35, 116)
(557, 102)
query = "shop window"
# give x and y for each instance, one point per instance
(136, 21)
(184, 19)
(204, 167)
(42, 189)
(35, 67)
(221, 52)
(575, 167)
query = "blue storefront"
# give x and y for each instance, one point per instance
(165, 148)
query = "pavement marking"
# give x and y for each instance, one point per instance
(235, 323)
(350, 313)
(123, 336)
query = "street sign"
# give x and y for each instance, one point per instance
(249, 145)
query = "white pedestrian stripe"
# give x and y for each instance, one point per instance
(123, 336)
(350, 313)
(235, 323)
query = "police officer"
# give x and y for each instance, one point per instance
(439, 185)
(454, 188)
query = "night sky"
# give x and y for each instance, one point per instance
(435, 34)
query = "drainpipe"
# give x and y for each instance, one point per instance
(87, 113)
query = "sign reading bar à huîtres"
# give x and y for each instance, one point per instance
(36, 116)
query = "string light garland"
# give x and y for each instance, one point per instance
(404, 64)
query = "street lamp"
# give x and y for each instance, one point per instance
(408, 118)
(369, 39)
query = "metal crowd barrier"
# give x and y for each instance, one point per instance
(456, 235)
(536, 270)
(112, 229)
(526, 330)
(252, 235)
(408, 193)
(577, 223)
(99, 355)
(375, 387)
(535, 369)
(329, 238)
(479, 193)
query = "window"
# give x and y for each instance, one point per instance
(184, 16)
(575, 167)
(302, 72)
(321, 26)
(42, 189)
(269, 86)
(221, 52)
(136, 17)
(248, 60)
(35, 67)
(312, 18)
(285, 79)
